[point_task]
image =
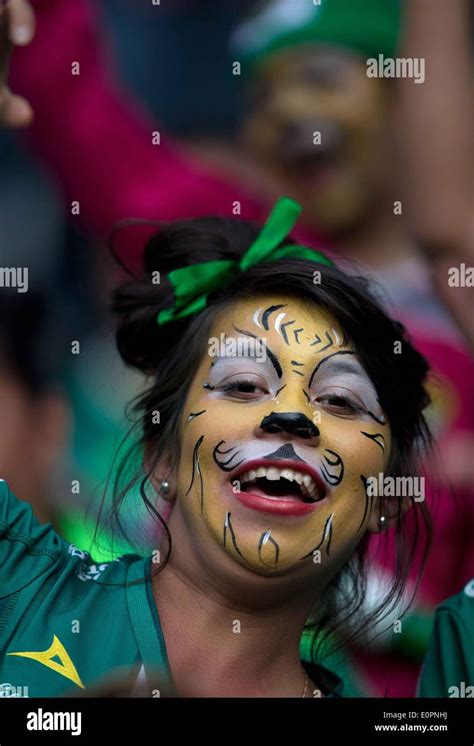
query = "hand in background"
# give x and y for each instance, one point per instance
(17, 27)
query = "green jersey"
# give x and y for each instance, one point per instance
(448, 669)
(68, 623)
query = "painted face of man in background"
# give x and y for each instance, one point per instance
(280, 428)
(319, 127)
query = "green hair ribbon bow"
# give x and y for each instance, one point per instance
(193, 284)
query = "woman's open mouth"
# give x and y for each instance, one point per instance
(279, 487)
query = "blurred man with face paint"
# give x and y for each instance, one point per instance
(317, 122)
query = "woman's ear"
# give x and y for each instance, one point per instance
(385, 512)
(162, 476)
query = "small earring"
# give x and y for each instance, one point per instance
(382, 520)
(164, 488)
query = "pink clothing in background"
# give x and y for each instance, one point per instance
(94, 136)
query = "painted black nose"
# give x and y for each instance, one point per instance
(293, 423)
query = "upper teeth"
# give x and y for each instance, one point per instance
(308, 485)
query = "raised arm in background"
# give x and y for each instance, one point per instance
(437, 139)
(93, 134)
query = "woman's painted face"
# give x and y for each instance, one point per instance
(281, 428)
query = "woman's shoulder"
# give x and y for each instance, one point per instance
(58, 603)
(28, 549)
(33, 554)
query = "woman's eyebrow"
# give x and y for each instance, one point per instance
(225, 358)
(273, 358)
(340, 366)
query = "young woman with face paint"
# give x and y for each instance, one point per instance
(262, 451)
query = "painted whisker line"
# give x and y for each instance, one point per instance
(377, 438)
(266, 538)
(368, 500)
(192, 415)
(228, 525)
(330, 479)
(307, 396)
(224, 464)
(298, 372)
(219, 450)
(295, 362)
(195, 452)
(280, 389)
(333, 476)
(201, 498)
(337, 460)
(327, 531)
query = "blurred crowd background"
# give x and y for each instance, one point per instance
(236, 91)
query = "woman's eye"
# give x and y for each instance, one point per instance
(340, 403)
(244, 389)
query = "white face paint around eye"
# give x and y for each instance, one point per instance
(340, 384)
(247, 368)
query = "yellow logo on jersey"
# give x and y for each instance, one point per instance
(65, 668)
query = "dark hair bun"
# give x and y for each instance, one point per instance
(140, 341)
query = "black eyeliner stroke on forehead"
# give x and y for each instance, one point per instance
(273, 358)
(276, 363)
(267, 313)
